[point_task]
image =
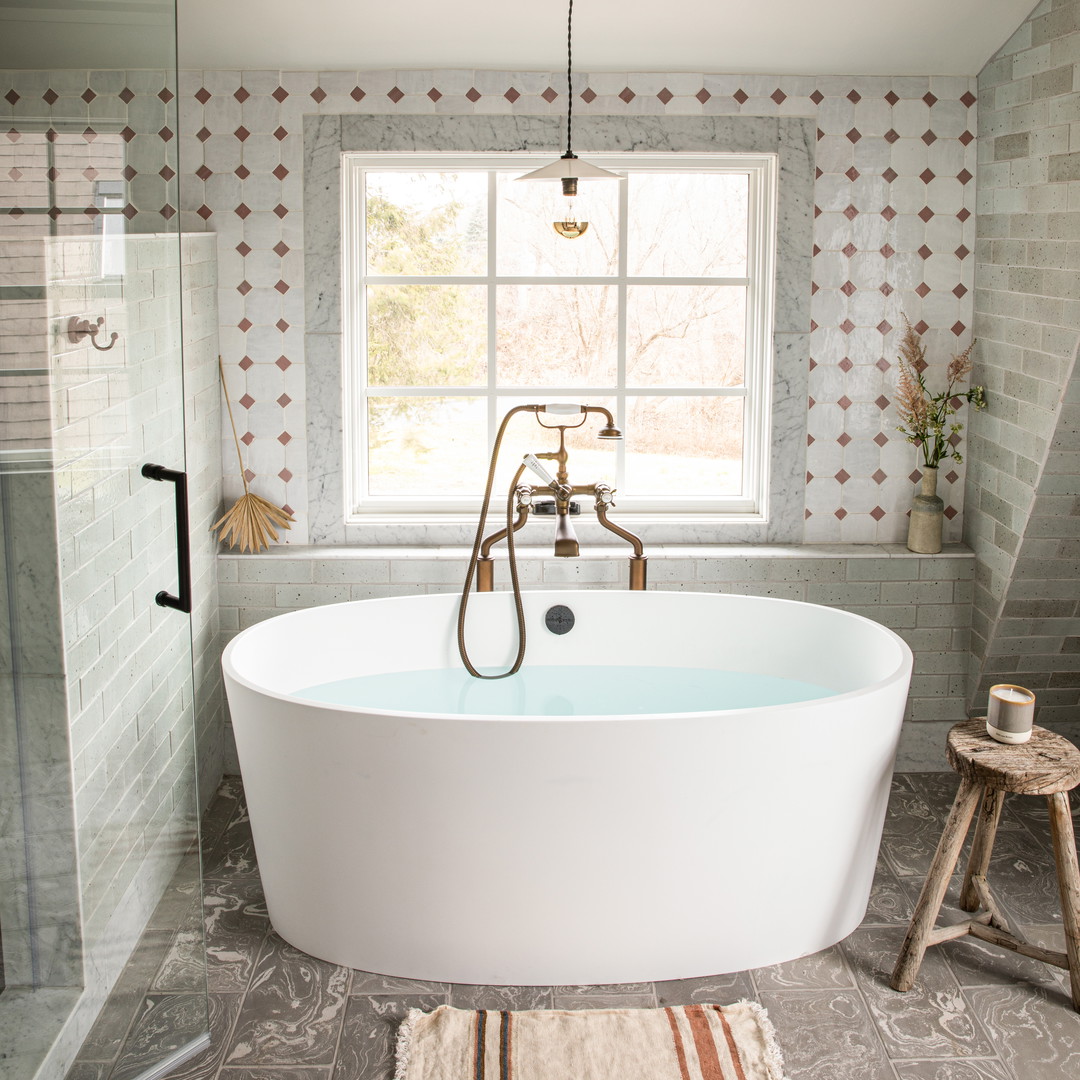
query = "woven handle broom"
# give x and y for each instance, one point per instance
(250, 523)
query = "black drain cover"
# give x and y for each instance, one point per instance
(559, 619)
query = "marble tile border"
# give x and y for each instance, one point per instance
(792, 139)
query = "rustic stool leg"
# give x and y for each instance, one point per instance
(937, 882)
(982, 845)
(1061, 829)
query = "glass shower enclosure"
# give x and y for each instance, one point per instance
(101, 950)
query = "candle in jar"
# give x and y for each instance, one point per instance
(1010, 712)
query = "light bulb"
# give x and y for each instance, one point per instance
(570, 228)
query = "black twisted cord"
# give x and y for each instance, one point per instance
(569, 68)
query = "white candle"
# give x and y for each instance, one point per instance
(1010, 711)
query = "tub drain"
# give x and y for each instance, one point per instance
(559, 619)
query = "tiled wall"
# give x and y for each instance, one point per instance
(926, 600)
(1023, 493)
(894, 231)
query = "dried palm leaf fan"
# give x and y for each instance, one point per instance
(250, 524)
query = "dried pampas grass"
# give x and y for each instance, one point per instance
(250, 523)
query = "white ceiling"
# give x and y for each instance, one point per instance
(838, 37)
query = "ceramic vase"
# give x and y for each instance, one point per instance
(927, 511)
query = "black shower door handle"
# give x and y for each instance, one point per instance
(183, 542)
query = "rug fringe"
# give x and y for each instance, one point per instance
(404, 1042)
(774, 1059)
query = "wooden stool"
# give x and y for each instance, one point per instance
(1046, 765)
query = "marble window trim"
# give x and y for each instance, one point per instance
(326, 138)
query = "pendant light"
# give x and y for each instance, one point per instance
(570, 168)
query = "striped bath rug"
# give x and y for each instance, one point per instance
(690, 1042)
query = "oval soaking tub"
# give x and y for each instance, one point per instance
(556, 849)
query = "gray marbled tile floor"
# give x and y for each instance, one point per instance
(976, 1012)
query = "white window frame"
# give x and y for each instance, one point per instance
(751, 507)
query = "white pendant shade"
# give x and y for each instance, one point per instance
(570, 166)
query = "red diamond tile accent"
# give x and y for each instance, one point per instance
(247, 401)
(843, 438)
(952, 476)
(958, 328)
(966, 138)
(284, 438)
(244, 287)
(126, 96)
(843, 476)
(881, 438)
(280, 210)
(883, 365)
(778, 96)
(813, 292)
(817, 97)
(891, 136)
(242, 211)
(741, 96)
(884, 327)
(885, 289)
(851, 213)
(960, 292)
(925, 252)
(929, 138)
(281, 134)
(810, 402)
(283, 362)
(810, 440)
(812, 363)
(840, 514)
(953, 439)
(246, 363)
(11, 97)
(627, 95)
(961, 252)
(92, 211)
(242, 133)
(282, 325)
(284, 400)
(847, 288)
(845, 365)
(16, 174)
(930, 100)
(318, 95)
(888, 251)
(854, 135)
(280, 94)
(820, 135)
(807, 515)
(473, 94)
(922, 289)
(281, 249)
(968, 99)
(926, 176)
(964, 176)
(889, 175)
(844, 402)
(849, 251)
(877, 513)
(816, 250)
(915, 476)
(282, 287)
(550, 94)
(50, 135)
(248, 474)
(202, 134)
(879, 476)
(87, 95)
(166, 172)
(955, 402)
(128, 173)
(882, 402)
(204, 212)
(90, 173)
(241, 94)
(50, 96)
(434, 94)
(817, 211)
(588, 95)
(950, 512)
(920, 328)
(242, 171)
(892, 97)
(926, 213)
(963, 214)
(511, 95)
(847, 326)
(665, 95)
(245, 324)
(813, 327)
(288, 509)
(247, 439)
(852, 174)
(202, 95)
(854, 96)
(244, 248)
(285, 475)
(126, 133)
(89, 134)
(281, 172)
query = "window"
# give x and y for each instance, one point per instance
(462, 301)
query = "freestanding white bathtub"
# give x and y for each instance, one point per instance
(567, 849)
